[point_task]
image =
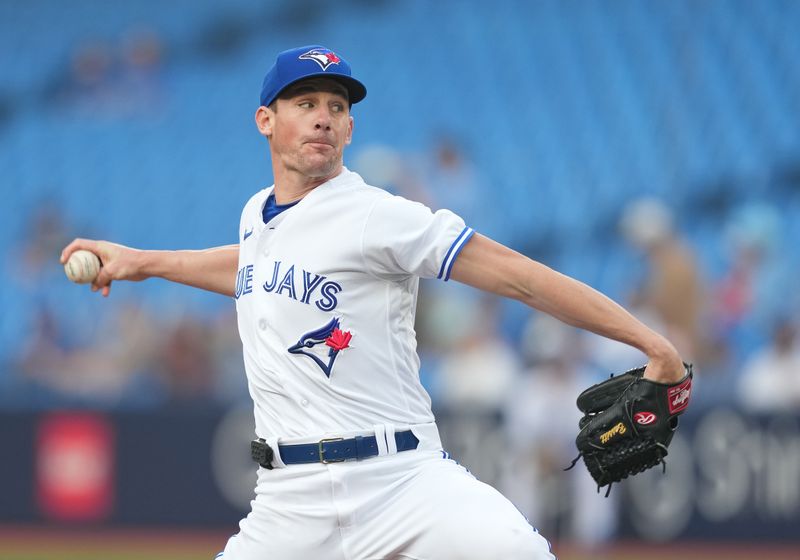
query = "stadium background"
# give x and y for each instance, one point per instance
(651, 149)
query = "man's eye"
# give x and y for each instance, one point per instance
(338, 108)
(306, 105)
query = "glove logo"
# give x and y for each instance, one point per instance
(334, 339)
(618, 429)
(644, 418)
(679, 396)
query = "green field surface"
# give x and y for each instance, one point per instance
(59, 544)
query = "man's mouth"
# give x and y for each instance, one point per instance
(321, 143)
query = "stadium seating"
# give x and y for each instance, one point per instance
(570, 109)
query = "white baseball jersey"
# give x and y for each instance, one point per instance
(326, 297)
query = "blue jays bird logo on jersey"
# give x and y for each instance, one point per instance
(323, 57)
(332, 336)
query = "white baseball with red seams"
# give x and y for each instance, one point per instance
(82, 267)
(326, 297)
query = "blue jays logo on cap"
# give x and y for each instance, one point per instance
(332, 336)
(300, 63)
(323, 57)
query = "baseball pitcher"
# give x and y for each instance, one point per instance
(325, 276)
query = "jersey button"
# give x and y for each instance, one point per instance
(262, 324)
(304, 402)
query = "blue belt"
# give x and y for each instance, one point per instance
(332, 450)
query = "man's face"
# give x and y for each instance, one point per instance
(308, 127)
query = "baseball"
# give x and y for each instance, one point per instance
(82, 267)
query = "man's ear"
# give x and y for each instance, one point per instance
(349, 137)
(264, 120)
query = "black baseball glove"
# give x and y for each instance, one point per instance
(628, 424)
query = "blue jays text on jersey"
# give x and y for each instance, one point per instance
(298, 284)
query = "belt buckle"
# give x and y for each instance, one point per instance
(322, 458)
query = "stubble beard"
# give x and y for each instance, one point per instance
(314, 166)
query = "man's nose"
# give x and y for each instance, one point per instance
(323, 121)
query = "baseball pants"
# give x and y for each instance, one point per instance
(416, 505)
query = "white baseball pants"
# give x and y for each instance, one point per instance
(416, 505)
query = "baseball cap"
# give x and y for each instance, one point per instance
(300, 63)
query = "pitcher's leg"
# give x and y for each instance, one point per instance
(438, 511)
(292, 518)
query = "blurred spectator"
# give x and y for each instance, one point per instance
(382, 166)
(113, 78)
(758, 286)
(80, 350)
(770, 379)
(129, 364)
(141, 82)
(446, 178)
(91, 74)
(45, 236)
(40, 304)
(186, 364)
(542, 421)
(106, 373)
(441, 178)
(673, 288)
(477, 367)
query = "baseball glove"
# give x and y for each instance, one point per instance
(628, 424)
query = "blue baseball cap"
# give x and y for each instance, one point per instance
(305, 62)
